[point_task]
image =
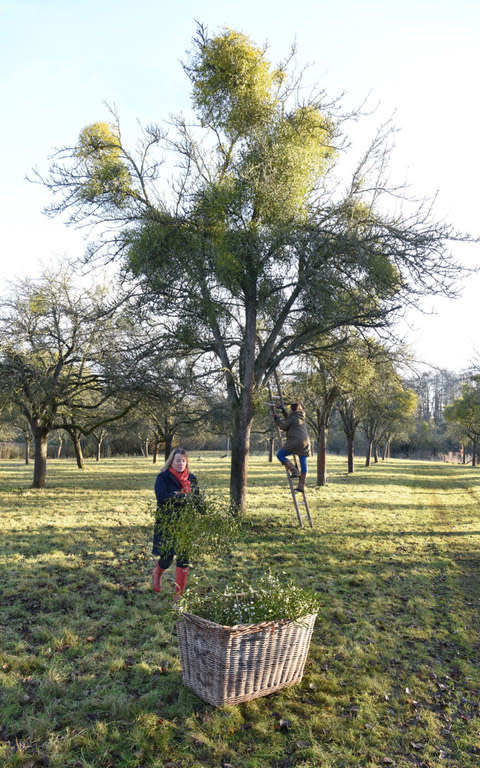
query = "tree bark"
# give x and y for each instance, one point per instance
(40, 436)
(27, 450)
(77, 447)
(322, 456)
(350, 454)
(242, 423)
(242, 404)
(368, 454)
(349, 427)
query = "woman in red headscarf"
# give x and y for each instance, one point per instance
(173, 486)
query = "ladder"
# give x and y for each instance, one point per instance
(299, 497)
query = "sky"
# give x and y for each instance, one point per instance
(415, 61)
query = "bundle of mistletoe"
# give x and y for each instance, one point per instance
(197, 525)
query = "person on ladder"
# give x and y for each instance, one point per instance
(297, 442)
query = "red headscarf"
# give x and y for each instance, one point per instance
(182, 478)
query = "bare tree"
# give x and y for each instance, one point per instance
(52, 363)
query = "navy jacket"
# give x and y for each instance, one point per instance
(167, 487)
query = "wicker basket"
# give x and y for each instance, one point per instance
(227, 665)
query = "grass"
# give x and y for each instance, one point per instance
(89, 667)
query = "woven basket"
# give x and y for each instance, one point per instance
(227, 665)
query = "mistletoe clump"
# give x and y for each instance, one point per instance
(197, 525)
(271, 599)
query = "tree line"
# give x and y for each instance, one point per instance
(83, 363)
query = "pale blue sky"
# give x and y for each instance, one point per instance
(417, 58)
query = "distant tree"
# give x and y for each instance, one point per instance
(465, 413)
(358, 370)
(52, 339)
(170, 402)
(388, 407)
(435, 390)
(256, 250)
(319, 388)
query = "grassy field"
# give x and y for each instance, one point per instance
(89, 666)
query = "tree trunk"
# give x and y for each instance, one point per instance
(77, 447)
(322, 456)
(349, 428)
(350, 454)
(242, 424)
(242, 406)
(368, 454)
(474, 453)
(59, 448)
(168, 444)
(40, 436)
(155, 451)
(27, 450)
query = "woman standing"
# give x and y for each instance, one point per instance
(174, 485)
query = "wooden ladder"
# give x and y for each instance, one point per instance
(299, 497)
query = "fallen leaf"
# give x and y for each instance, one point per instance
(417, 745)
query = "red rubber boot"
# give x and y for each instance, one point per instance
(180, 582)
(157, 578)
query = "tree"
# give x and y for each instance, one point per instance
(465, 412)
(387, 406)
(319, 393)
(52, 343)
(255, 251)
(356, 363)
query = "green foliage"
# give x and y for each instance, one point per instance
(282, 150)
(382, 274)
(270, 598)
(100, 151)
(465, 410)
(285, 164)
(232, 83)
(155, 248)
(198, 526)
